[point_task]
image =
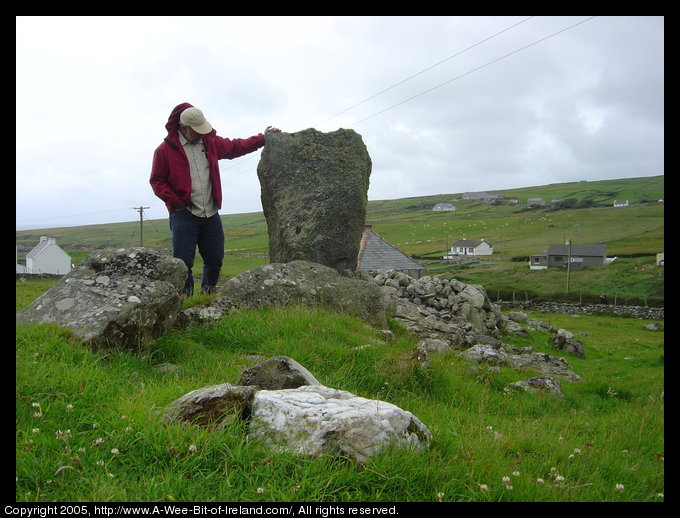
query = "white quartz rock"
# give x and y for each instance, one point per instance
(314, 419)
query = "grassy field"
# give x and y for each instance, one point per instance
(627, 281)
(515, 231)
(89, 425)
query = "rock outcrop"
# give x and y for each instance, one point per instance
(300, 415)
(448, 315)
(522, 358)
(314, 191)
(314, 420)
(121, 298)
(435, 308)
(305, 283)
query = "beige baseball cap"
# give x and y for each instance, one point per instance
(194, 118)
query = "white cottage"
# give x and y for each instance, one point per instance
(48, 257)
(471, 247)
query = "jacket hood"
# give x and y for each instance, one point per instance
(173, 121)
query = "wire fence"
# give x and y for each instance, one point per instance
(614, 299)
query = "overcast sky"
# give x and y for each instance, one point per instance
(444, 104)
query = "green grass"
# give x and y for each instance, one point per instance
(99, 435)
(627, 281)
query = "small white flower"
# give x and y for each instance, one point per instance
(577, 450)
(540, 480)
(484, 487)
(619, 487)
(35, 405)
(69, 408)
(128, 429)
(571, 456)
(192, 449)
(508, 487)
(506, 480)
(98, 441)
(114, 451)
(559, 478)
(100, 463)
(35, 430)
(260, 490)
(515, 473)
(62, 435)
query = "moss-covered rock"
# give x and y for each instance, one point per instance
(314, 191)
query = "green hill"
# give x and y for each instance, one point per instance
(411, 225)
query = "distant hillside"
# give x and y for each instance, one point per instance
(411, 225)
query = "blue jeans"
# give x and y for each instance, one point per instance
(188, 231)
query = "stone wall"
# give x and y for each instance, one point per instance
(644, 312)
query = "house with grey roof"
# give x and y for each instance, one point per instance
(558, 255)
(377, 254)
(444, 207)
(48, 257)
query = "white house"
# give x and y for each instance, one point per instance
(621, 203)
(21, 268)
(471, 248)
(444, 207)
(48, 257)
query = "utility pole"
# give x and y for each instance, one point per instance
(568, 265)
(141, 227)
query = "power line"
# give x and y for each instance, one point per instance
(444, 83)
(474, 70)
(394, 86)
(426, 69)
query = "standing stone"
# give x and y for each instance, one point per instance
(314, 191)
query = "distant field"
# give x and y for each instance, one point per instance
(412, 226)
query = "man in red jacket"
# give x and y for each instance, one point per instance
(185, 174)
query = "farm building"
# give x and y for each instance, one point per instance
(558, 255)
(482, 196)
(471, 247)
(47, 257)
(535, 202)
(377, 254)
(443, 207)
(621, 203)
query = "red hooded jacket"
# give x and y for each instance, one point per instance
(170, 175)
